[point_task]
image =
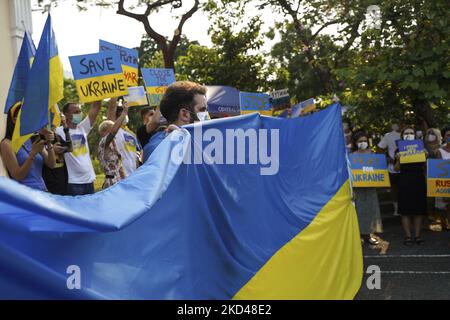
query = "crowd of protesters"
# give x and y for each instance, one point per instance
(58, 160)
(408, 182)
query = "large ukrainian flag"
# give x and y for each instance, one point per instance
(44, 89)
(197, 231)
(19, 80)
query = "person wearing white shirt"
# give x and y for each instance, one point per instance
(127, 143)
(389, 143)
(81, 175)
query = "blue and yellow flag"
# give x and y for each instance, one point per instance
(280, 227)
(19, 80)
(44, 88)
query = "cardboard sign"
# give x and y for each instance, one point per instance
(128, 58)
(280, 99)
(303, 108)
(251, 102)
(156, 82)
(369, 170)
(136, 97)
(438, 178)
(98, 76)
(411, 151)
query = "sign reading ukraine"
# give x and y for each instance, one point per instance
(411, 151)
(369, 170)
(252, 102)
(98, 76)
(438, 178)
(156, 81)
(128, 58)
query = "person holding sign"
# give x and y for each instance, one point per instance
(444, 153)
(78, 161)
(126, 140)
(108, 154)
(366, 199)
(184, 102)
(412, 193)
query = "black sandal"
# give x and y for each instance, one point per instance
(419, 240)
(408, 241)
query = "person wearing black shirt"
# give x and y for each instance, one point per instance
(151, 119)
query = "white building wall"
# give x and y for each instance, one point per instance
(15, 16)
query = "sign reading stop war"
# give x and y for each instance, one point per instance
(156, 81)
(128, 58)
(252, 102)
(98, 76)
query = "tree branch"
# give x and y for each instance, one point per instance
(143, 18)
(177, 36)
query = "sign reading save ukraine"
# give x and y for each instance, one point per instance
(438, 178)
(369, 170)
(411, 151)
(252, 102)
(156, 81)
(128, 58)
(98, 76)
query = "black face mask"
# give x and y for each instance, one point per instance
(193, 117)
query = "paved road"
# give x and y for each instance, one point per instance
(417, 272)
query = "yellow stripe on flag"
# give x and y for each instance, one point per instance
(324, 261)
(18, 140)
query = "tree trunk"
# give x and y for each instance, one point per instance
(424, 111)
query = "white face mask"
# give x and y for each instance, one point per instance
(125, 121)
(408, 137)
(431, 138)
(363, 145)
(203, 116)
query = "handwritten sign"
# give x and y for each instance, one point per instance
(411, 151)
(438, 178)
(136, 96)
(128, 59)
(369, 170)
(280, 99)
(252, 102)
(98, 76)
(156, 82)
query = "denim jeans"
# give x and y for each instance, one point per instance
(80, 189)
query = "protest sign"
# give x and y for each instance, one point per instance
(128, 59)
(251, 102)
(369, 170)
(303, 107)
(280, 99)
(411, 151)
(438, 178)
(156, 82)
(136, 96)
(98, 76)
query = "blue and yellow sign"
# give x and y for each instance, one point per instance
(411, 151)
(156, 81)
(128, 58)
(98, 76)
(369, 170)
(251, 102)
(438, 178)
